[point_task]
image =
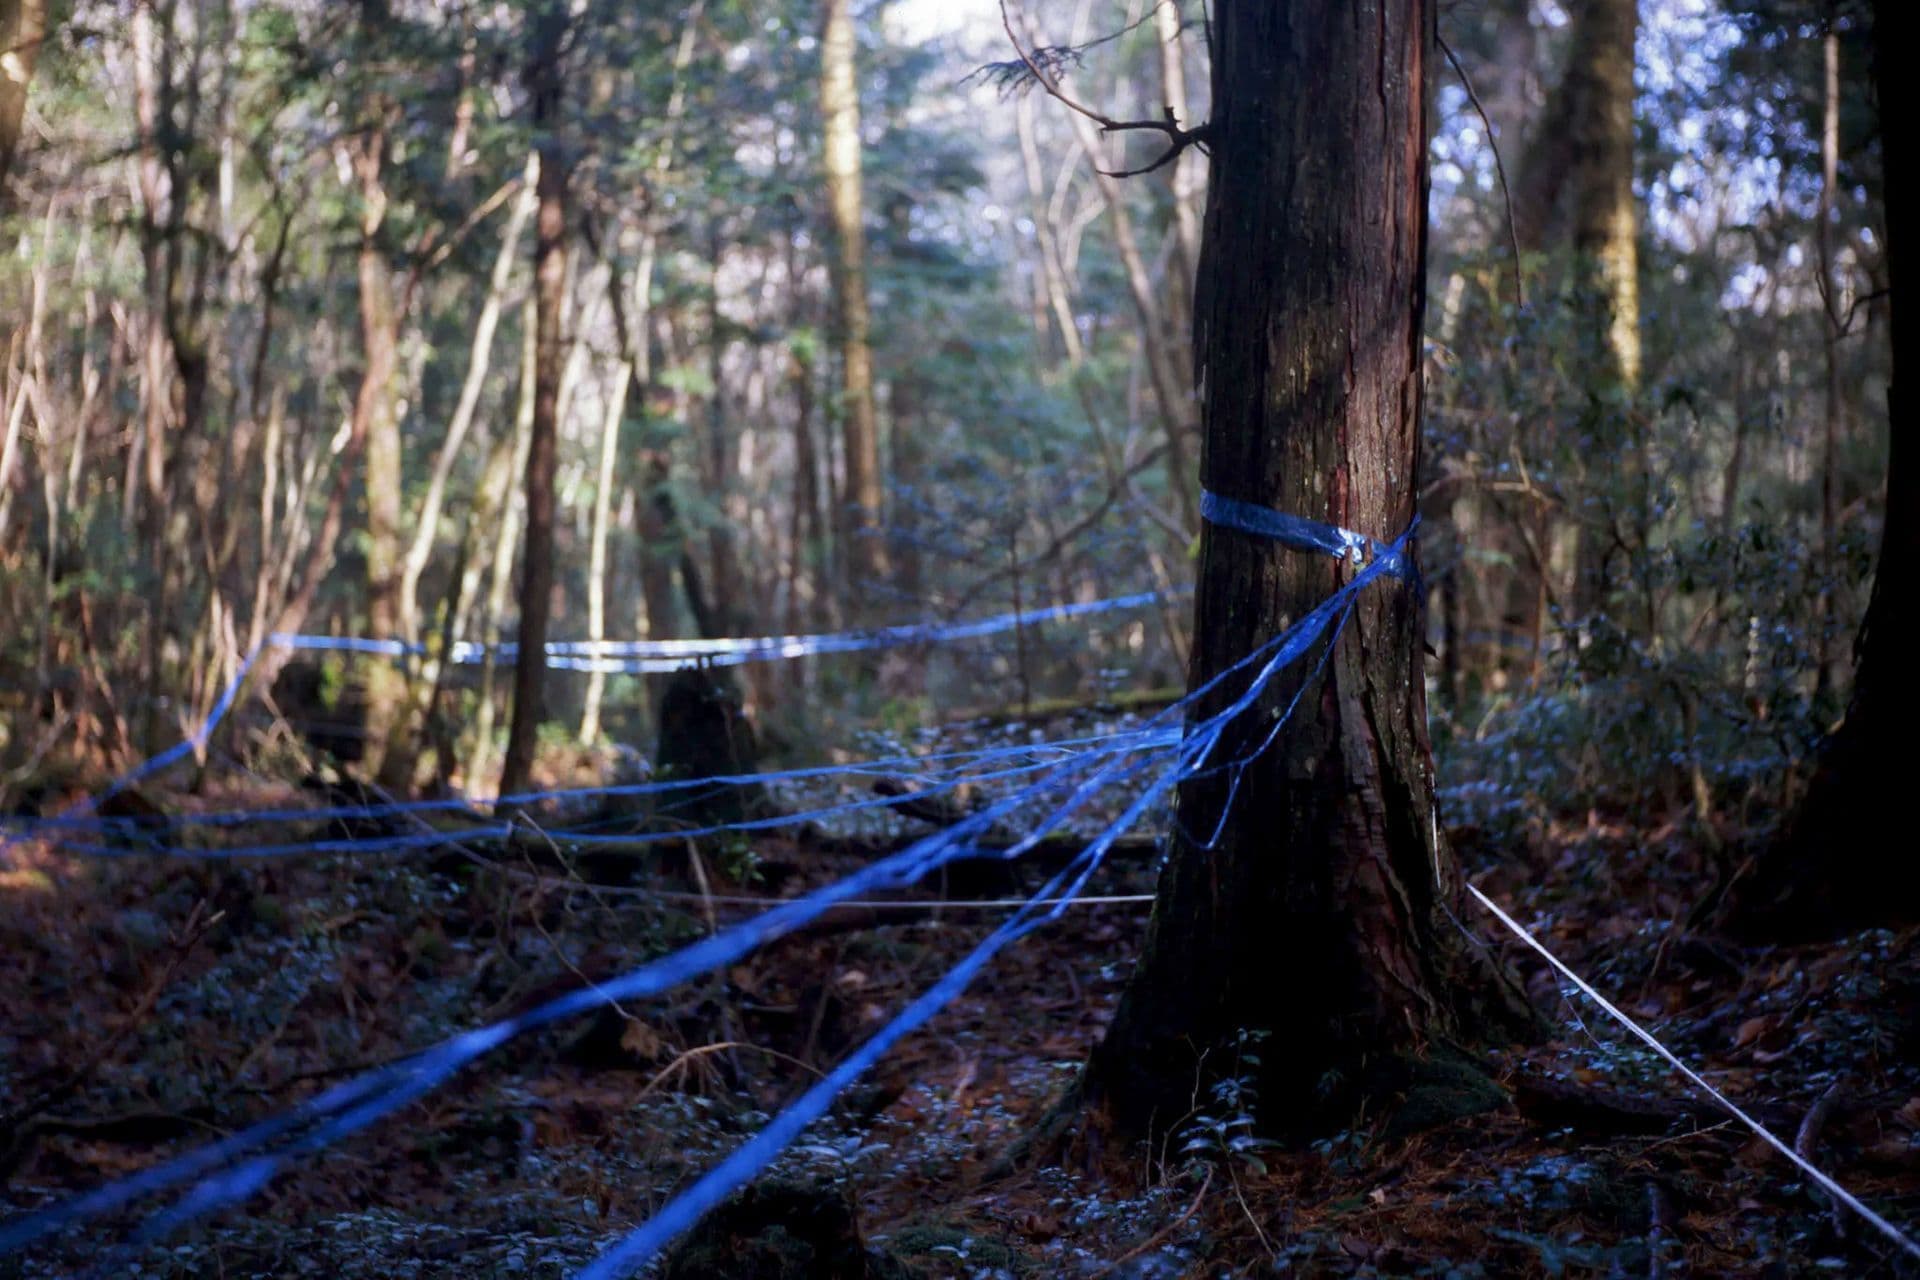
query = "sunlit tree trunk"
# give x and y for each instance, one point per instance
(375, 422)
(23, 28)
(840, 154)
(1840, 863)
(544, 83)
(1172, 389)
(1181, 174)
(1321, 916)
(616, 410)
(479, 362)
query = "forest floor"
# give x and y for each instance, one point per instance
(153, 1004)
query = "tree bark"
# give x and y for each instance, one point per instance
(375, 422)
(1833, 869)
(23, 29)
(1322, 914)
(544, 84)
(840, 155)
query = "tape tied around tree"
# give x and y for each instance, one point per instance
(1303, 534)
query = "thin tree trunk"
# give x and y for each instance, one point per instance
(1830, 560)
(1172, 393)
(1181, 186)
(840, 154)
(479, 360)
(597, 550)
(544, 83)
(1321, 913)
(509, 460)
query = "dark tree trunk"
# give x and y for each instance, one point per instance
(550, 296)
(1839, 865)
(1317, 917)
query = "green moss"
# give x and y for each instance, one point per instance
(1439, 1088)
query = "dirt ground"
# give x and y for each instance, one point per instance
(153, 1004)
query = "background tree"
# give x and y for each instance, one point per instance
(545, 86)
(840, 153)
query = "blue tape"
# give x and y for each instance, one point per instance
(354, 1104)
(639, 657)
(752, 1157)
(953, 761)
(386, 843)
(1299, 532)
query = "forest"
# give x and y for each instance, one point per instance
(995, 639)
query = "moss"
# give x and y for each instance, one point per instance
(942, 1248)
(1443, 1086)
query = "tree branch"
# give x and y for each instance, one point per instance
(1178, 138)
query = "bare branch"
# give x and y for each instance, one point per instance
(1043, 64)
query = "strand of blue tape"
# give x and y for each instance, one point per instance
(936, 766)
(651, 656)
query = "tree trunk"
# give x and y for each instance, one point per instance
(616, 412)
(840, 108)
(479, 360)
(1830, 562)
(495, 513)
(1321, 915)
(1833, 870)
(1180, 174)
(374, 421)
(1581, 161)
(1606, 223)
(1172, 389)
(23, 29)
(550, 297)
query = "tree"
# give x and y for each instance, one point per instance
(23, 29)
(840, 155)
(1833, 870)
(544, 85)
(1322, 913)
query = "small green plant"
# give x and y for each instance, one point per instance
(1224, 1133)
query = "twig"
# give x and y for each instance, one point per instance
(1506, 192)
(723, 1046)
(1154, 1240)
(1807, 1139)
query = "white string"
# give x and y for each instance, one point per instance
(1826, 1183)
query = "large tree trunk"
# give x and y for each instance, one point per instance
(840, 154)
(550, 296)
(1834, 870)
(1575, 181)
(1321, 915)
(1605, 218)
(23, 28)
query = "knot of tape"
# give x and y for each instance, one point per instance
(1303, 534)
